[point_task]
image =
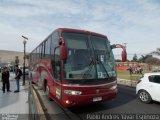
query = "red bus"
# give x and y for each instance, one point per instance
(74, 67)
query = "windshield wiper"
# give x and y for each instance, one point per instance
(90, 68)
(99, 61)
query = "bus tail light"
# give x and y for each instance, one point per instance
(72, 92)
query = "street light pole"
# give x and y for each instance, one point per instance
(24, 61)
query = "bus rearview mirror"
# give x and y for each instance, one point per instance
(63, 52)
(63, 49)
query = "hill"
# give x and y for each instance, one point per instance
(9, 56)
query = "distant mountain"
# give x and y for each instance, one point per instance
(9, 56)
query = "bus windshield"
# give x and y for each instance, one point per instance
(89, 60)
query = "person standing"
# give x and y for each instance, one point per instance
(17, 77)
(5, 80)
(130, 70)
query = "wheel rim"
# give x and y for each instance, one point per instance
(143, 96)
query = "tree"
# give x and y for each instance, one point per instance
(152, 61)
(157, 52)
(135, 58)
(143, 58)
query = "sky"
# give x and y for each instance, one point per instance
(134, 22)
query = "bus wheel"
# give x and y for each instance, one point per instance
(33, 82)
(31, 79)
(46, 90)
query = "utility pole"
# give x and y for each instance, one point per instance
(24, 57)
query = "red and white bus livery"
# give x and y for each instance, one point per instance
(74, 67)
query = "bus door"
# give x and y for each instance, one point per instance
(57, 73)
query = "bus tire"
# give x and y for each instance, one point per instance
(46, 90)
(33, 82)
(31, 79)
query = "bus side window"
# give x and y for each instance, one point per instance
(57, 69)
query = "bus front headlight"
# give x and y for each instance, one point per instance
(72, 92)
(113, 87)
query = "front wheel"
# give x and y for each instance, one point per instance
(46, 91)
(144, 96)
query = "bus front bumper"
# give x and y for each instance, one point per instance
(79, 100)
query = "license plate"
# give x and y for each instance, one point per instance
(97, 99)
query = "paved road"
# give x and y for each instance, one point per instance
(126, 102)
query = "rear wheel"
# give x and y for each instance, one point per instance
(46, 90)
(144, 96)
(31, 79)
(33, 82)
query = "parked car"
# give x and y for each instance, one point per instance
(26, 70)
(148, 88)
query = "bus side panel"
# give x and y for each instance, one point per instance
(45, 72)
(34, 73)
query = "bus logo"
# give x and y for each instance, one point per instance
(97, 91)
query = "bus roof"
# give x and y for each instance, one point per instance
(72, 30)
(79, 31)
